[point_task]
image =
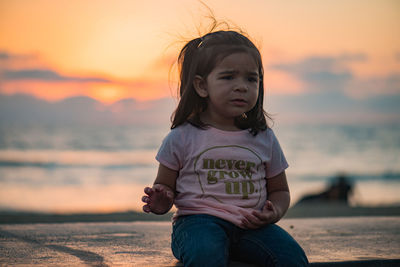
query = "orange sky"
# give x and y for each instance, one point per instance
(120, 49)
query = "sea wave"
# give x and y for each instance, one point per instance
(354, 177)
(76, 158)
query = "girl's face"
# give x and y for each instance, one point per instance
(231, 90)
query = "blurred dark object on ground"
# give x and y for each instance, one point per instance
(339, 191)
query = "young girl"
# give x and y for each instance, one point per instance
(221, 165)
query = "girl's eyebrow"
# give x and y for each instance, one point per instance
(251, 73)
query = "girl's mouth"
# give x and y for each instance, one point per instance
(238, 102)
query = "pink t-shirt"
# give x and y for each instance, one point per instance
(221, 173)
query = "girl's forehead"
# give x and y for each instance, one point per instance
(238, 61)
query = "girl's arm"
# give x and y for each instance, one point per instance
(278, 194)
(276, 205)
(160, 198)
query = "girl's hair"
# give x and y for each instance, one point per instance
(199, 57)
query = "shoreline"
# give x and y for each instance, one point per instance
(297, 211)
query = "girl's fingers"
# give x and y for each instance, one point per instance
(270, 206)
(252, 221)
(259, 219)
(156, 196)
(261, 216)
(145, 199)
(146, 208)
(269, 216)
(156, 199)
(249, 225)
(148, 190)
(245, 223)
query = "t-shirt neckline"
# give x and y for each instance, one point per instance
(212, 128)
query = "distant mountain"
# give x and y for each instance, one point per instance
(125, 102)
(22, 108)
(78, 101)
(330, 107)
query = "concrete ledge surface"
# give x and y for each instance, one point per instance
(366, 263)
(341, 241)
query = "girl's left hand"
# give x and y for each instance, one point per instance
(257, 219)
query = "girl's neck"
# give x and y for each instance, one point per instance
(218, 123)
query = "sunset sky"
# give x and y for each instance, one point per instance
(110, 50)
(110, 63)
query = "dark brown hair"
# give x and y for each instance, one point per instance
(199, 57)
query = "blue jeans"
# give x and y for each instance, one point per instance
(204, 240)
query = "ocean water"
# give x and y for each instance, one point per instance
(94, 168)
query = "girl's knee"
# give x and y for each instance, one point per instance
(200, 244)
(293, 256)
(288, 252)
(202, 252)
(272, 246)
(209, 255)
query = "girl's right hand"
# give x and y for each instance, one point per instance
(158, 199)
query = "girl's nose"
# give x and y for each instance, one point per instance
(241, 87)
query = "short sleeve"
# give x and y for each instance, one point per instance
(171, 150)
(277, 163)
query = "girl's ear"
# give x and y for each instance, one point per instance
(200, 86)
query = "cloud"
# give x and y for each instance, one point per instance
(334, 74)
(322, 73)
(333, 92)
(28, 74)
(23, 67)
(4, 56)
(386, 85)
(45, 75)
(333, 107)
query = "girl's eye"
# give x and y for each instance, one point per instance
(253, 79)
(229, 77)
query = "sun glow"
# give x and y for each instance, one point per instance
(107, 93)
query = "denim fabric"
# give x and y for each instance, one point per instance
(204, 240)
